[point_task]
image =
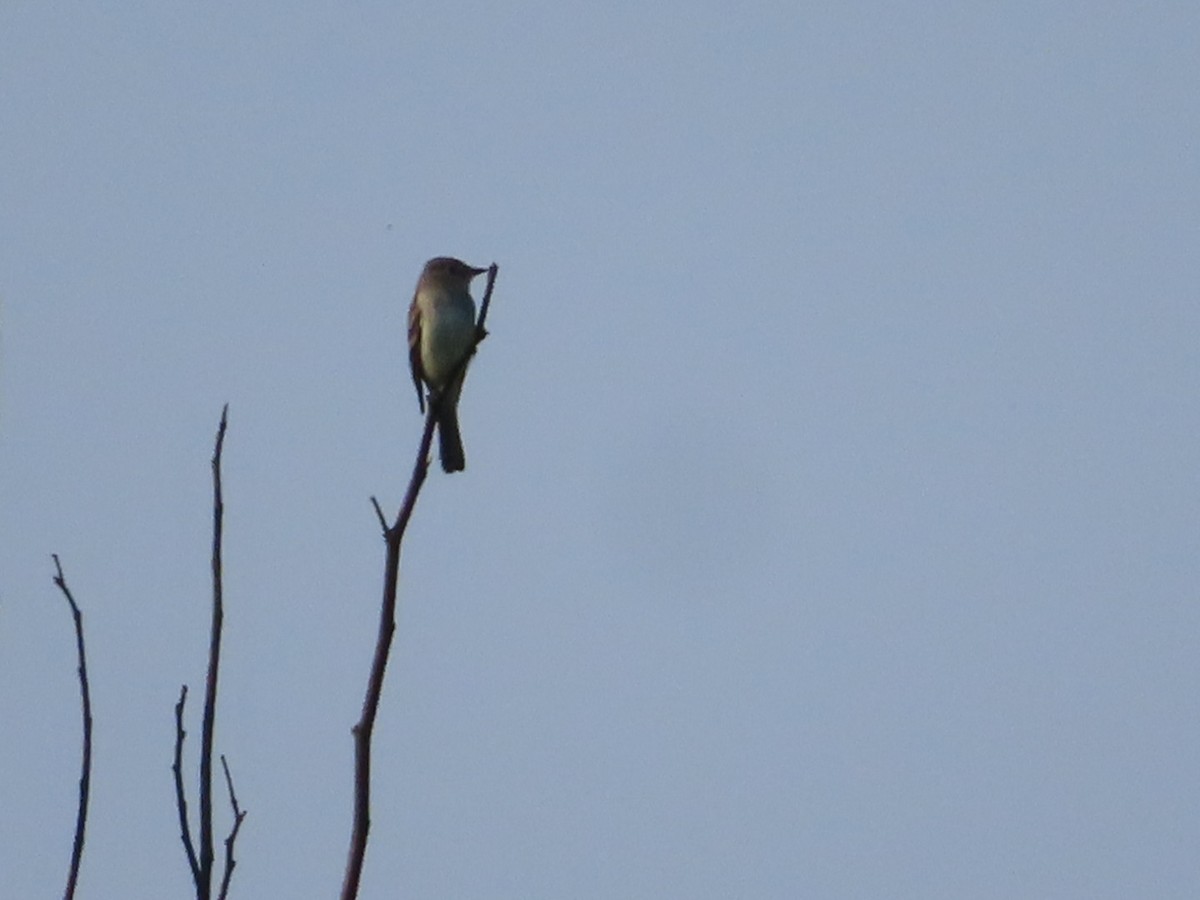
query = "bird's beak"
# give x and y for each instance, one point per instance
(475, 272)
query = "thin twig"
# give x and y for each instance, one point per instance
(214, 665)
(238, 815)
(85, 776)
(481, 332)
(459, 375)
(383, 525)
(393, 536)
(180, 797)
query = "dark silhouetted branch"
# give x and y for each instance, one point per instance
(238, 815)
(208, 726)
(383, 525)
(85, 776)
(393, 535)
(201, 863)
(180, 796)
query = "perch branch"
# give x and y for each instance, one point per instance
(393, 535)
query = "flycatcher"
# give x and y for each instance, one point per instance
(441, 331)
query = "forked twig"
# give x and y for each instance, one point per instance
(238, 815)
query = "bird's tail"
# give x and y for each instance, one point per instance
(450, 447)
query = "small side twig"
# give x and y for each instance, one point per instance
(180, 796)
(383, 525)
(393, 535)
(85, 776)
(238, 815)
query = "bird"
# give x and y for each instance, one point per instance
(441, 333)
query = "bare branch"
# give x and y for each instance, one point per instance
(238, 815)
(459, 374)
(363, 730)
(382, 519)
(481, 332)
(85, 776)
(180, 797)
(214, 662)
(393, 536)
(214, 665)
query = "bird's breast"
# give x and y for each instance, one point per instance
(447, 330)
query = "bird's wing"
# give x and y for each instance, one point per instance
(414, 351)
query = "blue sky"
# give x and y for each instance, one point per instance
(831, 519)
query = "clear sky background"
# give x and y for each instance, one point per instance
(831, 524)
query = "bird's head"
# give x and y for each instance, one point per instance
(449, 269)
